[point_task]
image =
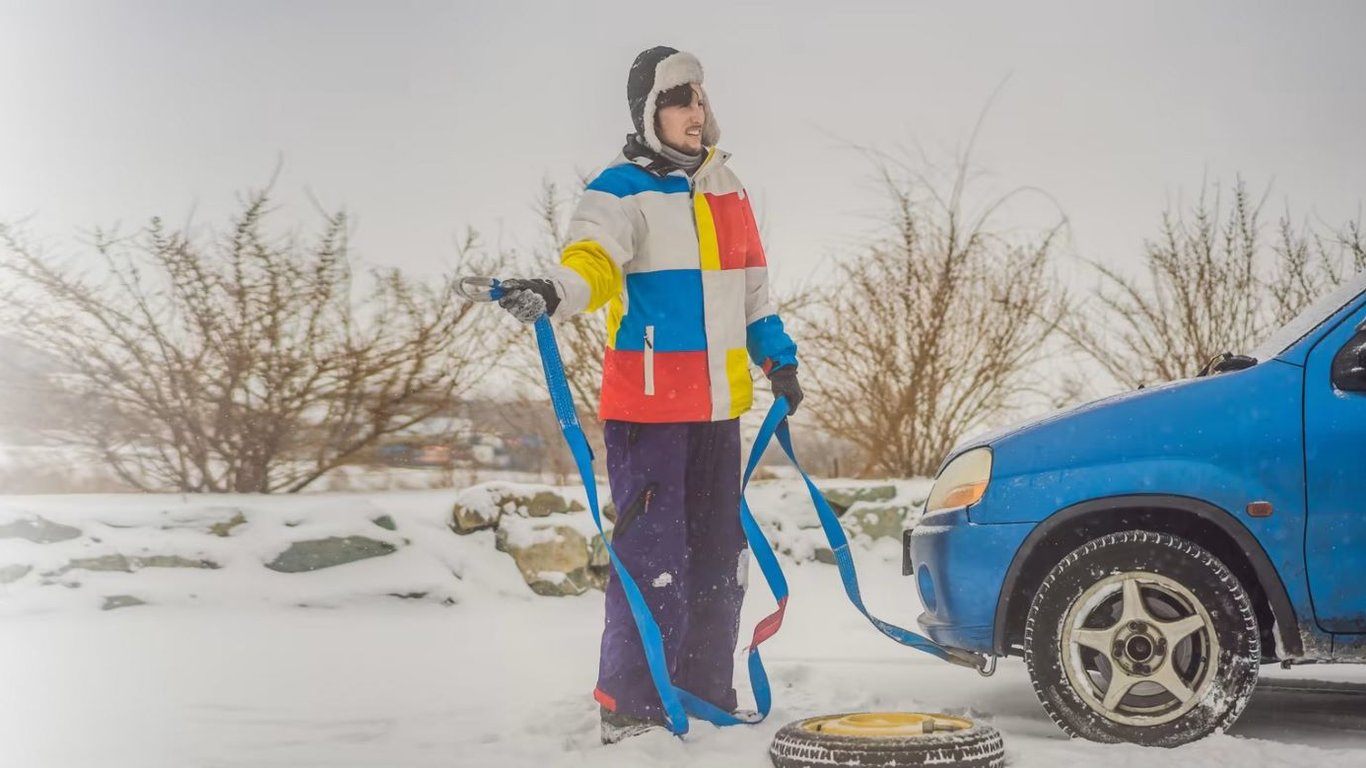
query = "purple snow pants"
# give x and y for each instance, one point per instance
(676, 488)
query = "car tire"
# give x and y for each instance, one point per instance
(1155, 615)
(874, 740)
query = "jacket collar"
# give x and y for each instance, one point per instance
(716, 157)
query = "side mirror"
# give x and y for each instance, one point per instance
(1349, 365)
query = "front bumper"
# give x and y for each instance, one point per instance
(959, 568)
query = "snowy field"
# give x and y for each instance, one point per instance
(225, 668)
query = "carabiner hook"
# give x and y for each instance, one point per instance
(479, 288)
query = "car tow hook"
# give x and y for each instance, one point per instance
(985, 665)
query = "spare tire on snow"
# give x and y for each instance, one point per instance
(887, 739)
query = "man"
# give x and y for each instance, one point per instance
(665, 238)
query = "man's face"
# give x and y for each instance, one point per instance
(681, 126)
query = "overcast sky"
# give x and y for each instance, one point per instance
(424, 117)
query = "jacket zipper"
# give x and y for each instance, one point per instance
(692, 202)
(697, 238)
(640, 505)
(692, 209)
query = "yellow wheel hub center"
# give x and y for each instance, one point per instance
(885, 724)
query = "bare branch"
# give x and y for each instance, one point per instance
(931, 331)
(243, 364)
(1210, 287)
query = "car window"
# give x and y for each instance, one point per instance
(1309, 319)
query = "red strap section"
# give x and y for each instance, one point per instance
(769, 626)
(605, 700)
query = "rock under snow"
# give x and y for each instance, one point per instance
(326, 553)
(224, 527)
(121, 601)
(841, 499)
(125, 564)
(38, 530)
(14, 572)
(553, 559)
(481, 506)
(599, 562)
(876, 521)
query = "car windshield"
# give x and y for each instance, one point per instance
(1310, 318)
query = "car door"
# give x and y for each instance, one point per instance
(1335, 475)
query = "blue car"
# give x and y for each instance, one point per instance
(1146, 553)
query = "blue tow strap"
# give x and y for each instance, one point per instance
(680, 704)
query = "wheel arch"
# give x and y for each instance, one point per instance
(1197, 521)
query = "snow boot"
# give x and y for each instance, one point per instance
(616, 727)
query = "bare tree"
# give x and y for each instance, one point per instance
(1211, 287)
(931, 331)
(581, 339)
(239, 365)
(1310, 263)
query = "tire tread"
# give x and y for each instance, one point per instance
(1246, 621)
(796, 747)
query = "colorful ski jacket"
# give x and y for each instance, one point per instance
(678, 262)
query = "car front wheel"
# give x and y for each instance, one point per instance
(1142, 637)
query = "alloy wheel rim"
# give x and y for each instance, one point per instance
(1139, 648)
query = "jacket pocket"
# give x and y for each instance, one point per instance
(649, 359)
(631, 513)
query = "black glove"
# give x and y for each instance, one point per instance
(529, 299)
(784, 381)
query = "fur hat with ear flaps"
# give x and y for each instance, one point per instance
(654, 72)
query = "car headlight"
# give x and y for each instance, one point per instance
(962, 482)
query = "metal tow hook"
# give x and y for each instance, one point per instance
(985, 665)
(988, 667)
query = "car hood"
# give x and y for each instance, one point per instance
(1124, 401)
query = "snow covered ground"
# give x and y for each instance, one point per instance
(239, 675)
